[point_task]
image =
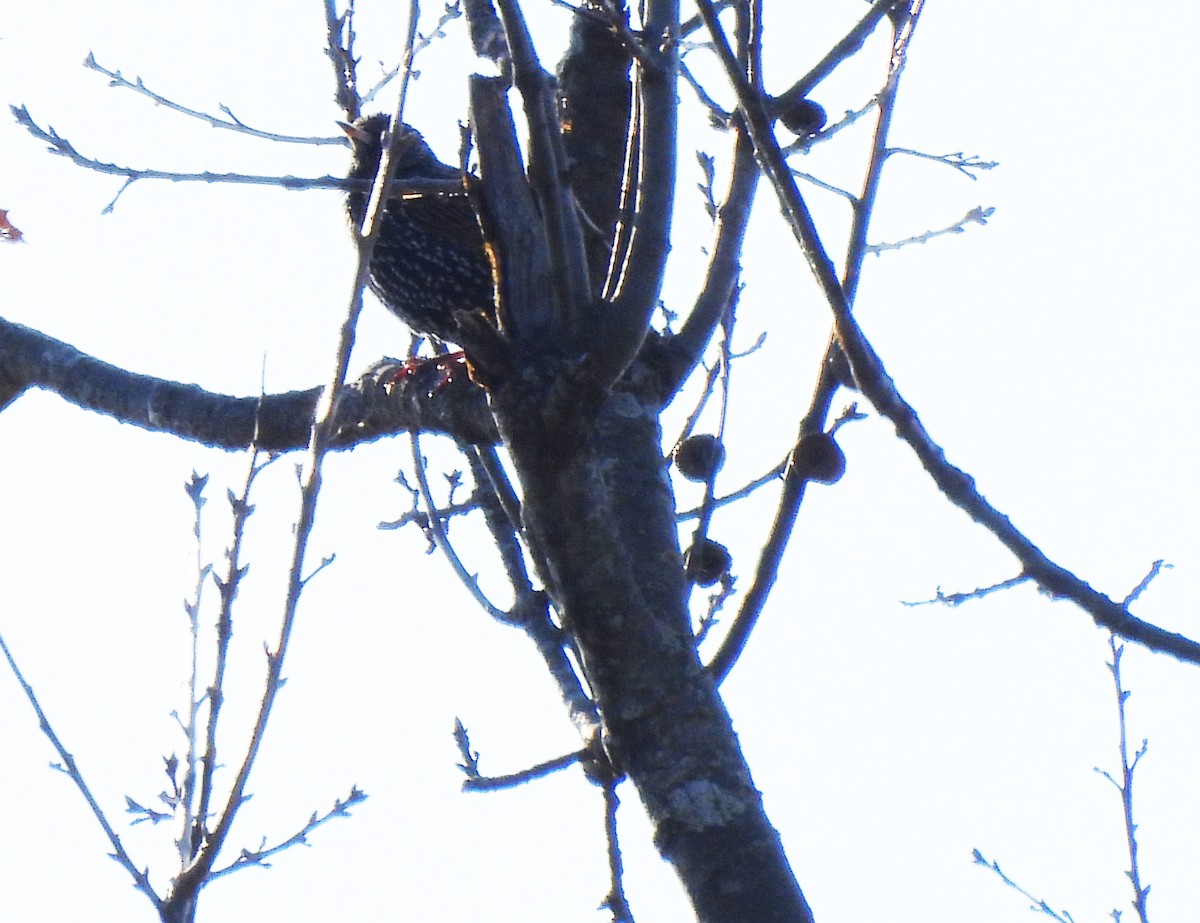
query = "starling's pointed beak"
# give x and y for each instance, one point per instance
(354, 133)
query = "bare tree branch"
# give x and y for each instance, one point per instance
(70, 768)
(389, 398)
(191, 879)
(724, 266)
(1124, 786)
(1039, 905)
(547, 170)
(616, 901)
(227, 586)
(963, 163)
(437, 530)
(64, 148)
(249, 858)
(977, 215)
(232, 123)
(636, 282)
(61, 146)
(877, 385)
(339, 48)
(480, 783)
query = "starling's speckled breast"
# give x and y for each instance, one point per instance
(429, 260)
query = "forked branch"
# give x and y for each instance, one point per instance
(873, 380)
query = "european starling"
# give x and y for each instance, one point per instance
(429, 260)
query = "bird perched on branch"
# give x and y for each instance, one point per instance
(430, 260)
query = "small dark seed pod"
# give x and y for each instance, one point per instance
(699, 457)
(707, 562)
(802, 117)
(819, 458)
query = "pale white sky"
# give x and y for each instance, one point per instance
(1050, 353)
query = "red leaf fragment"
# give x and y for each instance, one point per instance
(8, 231)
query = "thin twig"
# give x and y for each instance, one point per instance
(141, 879)
(339, 48)
(191, 879)
(851, 116)
(497, 478)
(1155, 569)
(1039, 905)
(848, 45)
(700, 534)
(616, 901)
(437, 530)
(232, 123)
(695, 24)
(957, 599)
(479, 783)
(248, 858)
(450, 12)
(718, 114)
(421, 519)
(187, 793)
(64, 148)
(689, 425)
(721, 274)
(490, 481)
(828, 187)
(741, 493)
(227, 587)
(977, 215)
(864, 206)
(531, 606)
(1125, 786)
(963, 163)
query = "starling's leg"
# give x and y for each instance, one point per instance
(445, 368)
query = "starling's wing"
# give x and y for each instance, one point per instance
(449, 216)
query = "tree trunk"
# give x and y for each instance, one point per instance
(600, 516)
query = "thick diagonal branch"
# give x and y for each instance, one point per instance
(874, 381)
(389, 398)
